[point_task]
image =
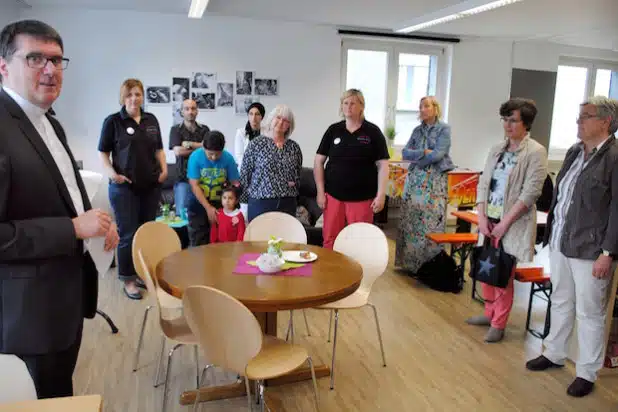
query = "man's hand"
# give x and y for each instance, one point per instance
(378, 203)
(162, 177)
(93, 223)
(111, 238)
(212, 214)
(602, 267)
(120, 179)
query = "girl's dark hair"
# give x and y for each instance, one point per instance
(214, 141)
(249, 132)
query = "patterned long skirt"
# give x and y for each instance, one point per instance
(423, 211)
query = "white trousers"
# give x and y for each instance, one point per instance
(577, 294)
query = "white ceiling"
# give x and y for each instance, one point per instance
(590, 23)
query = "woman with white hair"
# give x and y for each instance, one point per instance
(271, 166)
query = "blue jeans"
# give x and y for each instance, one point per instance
(131, 209)
(283, 204)
(182, 194)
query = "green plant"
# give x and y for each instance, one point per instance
(390, 133)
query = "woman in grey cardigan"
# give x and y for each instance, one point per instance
(508, 189)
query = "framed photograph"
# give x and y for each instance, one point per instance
(180, 89)
(158, 95)
(225, 94)
(205, 101)
(176, 113)
(267, 87)
(242, 103)
(244, 83)
(204, 81)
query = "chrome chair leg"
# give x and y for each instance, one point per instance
(375, 314)
(332, 366)
(156, 382)
(248, 388)
(167, 374)
(257, 392)
(262, 400)
(315, 384)
(197, 366)
(200, 383)
(306, 323)
(141, 338)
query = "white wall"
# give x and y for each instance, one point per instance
(545, 55)
(8, 14)
(107, 47)
(480, 83)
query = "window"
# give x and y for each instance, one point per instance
(576, 81)
(393, 77)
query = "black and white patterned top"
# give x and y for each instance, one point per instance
(267, 169)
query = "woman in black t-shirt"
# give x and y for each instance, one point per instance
(352, 186)
(136, 171)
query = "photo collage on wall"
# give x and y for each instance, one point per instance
(210, 94)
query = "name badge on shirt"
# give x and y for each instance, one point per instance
(130, 130)
(337, 140)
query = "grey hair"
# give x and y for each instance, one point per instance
(283, 111)
(606, 109)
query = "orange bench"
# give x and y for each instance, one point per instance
(541, 287)
(461, 244)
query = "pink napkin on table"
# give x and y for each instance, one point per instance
(244, 268)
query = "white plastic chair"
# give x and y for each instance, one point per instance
(16, 384)
(366, 244)
(284, 226)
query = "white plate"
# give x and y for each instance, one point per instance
(295, 257)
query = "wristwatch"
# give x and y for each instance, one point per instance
(186, 144)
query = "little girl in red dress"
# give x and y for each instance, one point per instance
(230, 225)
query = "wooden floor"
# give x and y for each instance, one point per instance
(435, 361)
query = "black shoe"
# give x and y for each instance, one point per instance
(135, 296)
(580, 387)
(140, 283)
(541, 363)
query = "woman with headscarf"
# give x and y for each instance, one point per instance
(244, 135)
(252, 129)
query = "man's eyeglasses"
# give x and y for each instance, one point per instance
(39, 61)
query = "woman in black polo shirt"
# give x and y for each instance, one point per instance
(352, 187)
(136, 170)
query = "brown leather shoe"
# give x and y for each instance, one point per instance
(540, 364)
(580, 387)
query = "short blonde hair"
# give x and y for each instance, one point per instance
(283, 111)
(353, 93)
(434, 102)
(126, 88)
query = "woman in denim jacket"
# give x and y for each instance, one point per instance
(425, 191)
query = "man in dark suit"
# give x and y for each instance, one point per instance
(48, 281)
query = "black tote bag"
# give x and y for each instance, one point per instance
(492, 265)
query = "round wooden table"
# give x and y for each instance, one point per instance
(334, 276)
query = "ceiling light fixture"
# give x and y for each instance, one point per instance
(466, 8)
(197, 8)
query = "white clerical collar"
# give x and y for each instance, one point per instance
(32, 111)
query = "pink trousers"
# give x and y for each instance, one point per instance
(498, 303)
(338, 213)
